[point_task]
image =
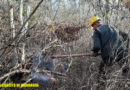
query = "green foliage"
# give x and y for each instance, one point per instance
(106, 7)
(24, 12)
(108, 15)
(74, 64)
(128, 25)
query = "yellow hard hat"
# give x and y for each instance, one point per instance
(93, 20)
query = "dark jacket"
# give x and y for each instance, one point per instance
(106, 39)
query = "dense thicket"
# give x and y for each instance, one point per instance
(59, 27)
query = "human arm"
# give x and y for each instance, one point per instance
(96, 43)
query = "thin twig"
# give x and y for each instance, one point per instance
(13, 72)
(29, 71)
(20, 31)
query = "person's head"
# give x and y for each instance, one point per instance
(94, 22)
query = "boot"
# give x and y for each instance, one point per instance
(125, 71)
(101, 79)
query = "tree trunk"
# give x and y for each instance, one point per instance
(21, 22)
(28, 13)
(107, 12)
(25, 28)
(21, 12)
(15, 56)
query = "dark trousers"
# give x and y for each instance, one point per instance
(101, 68)
(123, 63)
(105, 61)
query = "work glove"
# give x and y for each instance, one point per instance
(95, 54)
(52, 57)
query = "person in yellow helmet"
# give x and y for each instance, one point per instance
(94, 20)
(107, 40)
